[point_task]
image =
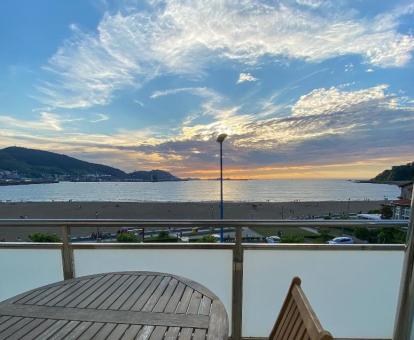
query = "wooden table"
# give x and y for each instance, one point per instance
(124, 305)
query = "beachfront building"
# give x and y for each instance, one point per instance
(406, 190)
(401, 207)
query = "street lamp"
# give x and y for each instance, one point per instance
(220, 140)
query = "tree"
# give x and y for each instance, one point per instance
(386, 212)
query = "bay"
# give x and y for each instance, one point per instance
(198, 191)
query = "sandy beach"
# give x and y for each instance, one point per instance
(169, 210)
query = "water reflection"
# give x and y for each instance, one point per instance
(257, 190)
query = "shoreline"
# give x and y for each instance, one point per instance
(168, 210)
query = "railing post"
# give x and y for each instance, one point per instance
(237, 304)
(67, 254)
(403, 328)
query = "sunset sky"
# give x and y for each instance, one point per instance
(304, 89)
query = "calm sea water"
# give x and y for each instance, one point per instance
(255, 190)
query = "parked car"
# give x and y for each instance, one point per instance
(341, 240)
(217, 237)
(273, 239)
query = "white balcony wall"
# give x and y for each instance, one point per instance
(25, 269)
(211, 268)
(354, 293)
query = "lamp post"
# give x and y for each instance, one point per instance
(220, 140)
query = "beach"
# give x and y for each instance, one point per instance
(167, 210)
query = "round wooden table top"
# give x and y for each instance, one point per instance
(120, 305)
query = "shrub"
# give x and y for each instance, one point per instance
(127, 238)
(208, 239)
(43, 237)
(163, 235)
(292, 239)
(362, 233)
(325, 235)
(391, 235)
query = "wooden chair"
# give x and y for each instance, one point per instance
(297, 320)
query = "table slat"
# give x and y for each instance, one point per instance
(114, 306)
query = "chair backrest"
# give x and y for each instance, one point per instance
(297, 320)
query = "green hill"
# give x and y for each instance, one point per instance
(396, 173)
(38, 163)
(153, 176)
(42, 164)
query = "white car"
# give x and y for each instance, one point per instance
(273, 239)
(217, 237)
(342, 240)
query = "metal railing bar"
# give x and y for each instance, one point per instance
(167, 246)
(403, 325)
(208, 246)
(30, 245)
(198, 223)
(326, 247)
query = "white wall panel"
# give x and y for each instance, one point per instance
(25, 269)
(354, 293)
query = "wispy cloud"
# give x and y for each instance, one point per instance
(198, 91)
(178, 37)
(140, 103)
(47, 121)
(100, 117)
(243, 77)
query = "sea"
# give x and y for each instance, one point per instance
(198, 191)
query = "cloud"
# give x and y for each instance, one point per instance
(349, 67)
(140, 103)
(100, 117)
(132, 47)
(325, 124)
(312, 3)
(332, 100)
(245, 77)
(47, 121)
(198, 91)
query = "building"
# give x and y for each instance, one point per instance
(401, 207)
(406, 191)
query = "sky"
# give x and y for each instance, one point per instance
(304, 89)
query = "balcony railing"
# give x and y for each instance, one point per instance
(353, 288)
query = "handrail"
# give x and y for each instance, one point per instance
(202, 222)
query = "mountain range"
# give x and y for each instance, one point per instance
(43, 164)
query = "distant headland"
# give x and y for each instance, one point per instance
(29, 166)
(398, 174)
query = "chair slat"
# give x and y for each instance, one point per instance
(297, 320)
